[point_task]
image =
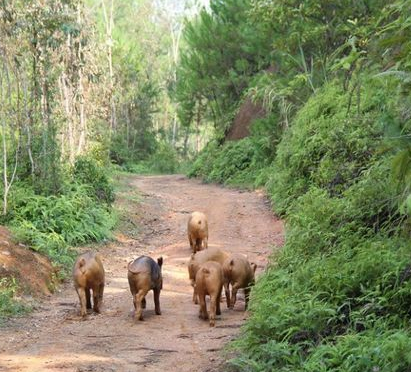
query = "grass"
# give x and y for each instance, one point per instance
(9, 304)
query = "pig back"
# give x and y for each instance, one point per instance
(237, 269)
(198, 223)
(88, 270)
(210, 254)
(144, 268)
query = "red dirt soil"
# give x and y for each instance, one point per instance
(33, 271)
(249, 111)
(54, 338)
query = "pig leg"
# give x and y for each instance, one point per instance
(227, 293)
(195, 296)
(157, 301)
(134, 301)
(234, 295)
(213, 308)
(203, 308)
(138, 299)
(205, 243)
(218, 308)
(96, 299)
(88, 298)
(143, 303)
(82, 296)
(191, 242)
(197, 245)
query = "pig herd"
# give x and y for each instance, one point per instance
(209, 269)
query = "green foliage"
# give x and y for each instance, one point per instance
(88, 172)
(330, 142)
(228, 164)
(243, 162)
(222, 52)
(335, 150)
(164, 160)
(52, 224)
(9, 305)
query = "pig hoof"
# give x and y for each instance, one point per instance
(212, 324)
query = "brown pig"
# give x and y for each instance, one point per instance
(209, 281)
(240, 274)
(145, 274)
(88, 274)
(196, 260)
(197, 230)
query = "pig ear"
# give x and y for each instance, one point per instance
(160, 261)
(254, 266)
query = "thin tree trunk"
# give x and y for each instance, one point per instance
(109, 21)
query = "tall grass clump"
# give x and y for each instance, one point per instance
(339, 295)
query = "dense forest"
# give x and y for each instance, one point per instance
(85, 90)
(333, 152)
(87, 87)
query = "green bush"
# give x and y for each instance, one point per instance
(52, 224)
(231, 164)
(339, 296)
(87, 171)
(164, 160)
(9, 305)
(331, 141)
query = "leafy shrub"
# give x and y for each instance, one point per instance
(87, 171)
(231, 164)
(140, 147)
(164, 160)
(339, 297)
(203, 164)
(9, 305)
(329, 144)
(51, 224)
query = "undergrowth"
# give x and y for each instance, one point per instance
(9, 305)
(338, 296)
(78, 214)
(165, 160)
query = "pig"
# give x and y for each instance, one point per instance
(209, 281)
(88, 274)
(197, 259)
(197, 230)
(240, 274)
(145, 274)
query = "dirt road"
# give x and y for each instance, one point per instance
(53, 338)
